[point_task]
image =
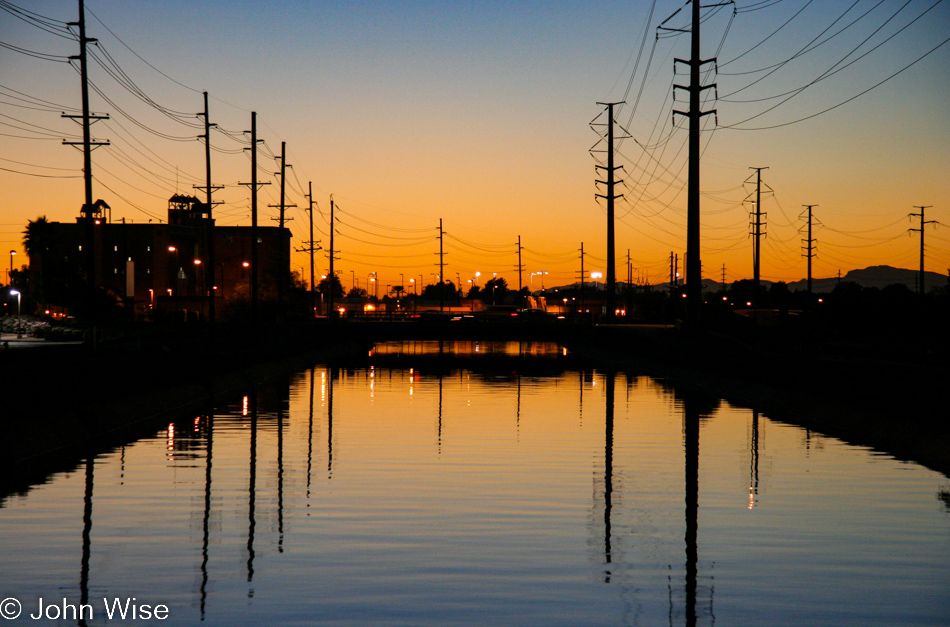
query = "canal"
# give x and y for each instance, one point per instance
(479, 484)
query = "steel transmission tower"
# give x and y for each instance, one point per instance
(694, 280)
(610, 197)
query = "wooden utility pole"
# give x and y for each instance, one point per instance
(254, 185)
(283, 265)
(209, 269)
(441, 268)
(583, 281)
(809, 248)
(88, 209)
(520, 265)
(331, 312)
(311, 246)
(923, 224)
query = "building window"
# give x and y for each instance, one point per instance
(148, 249)
(115, 249)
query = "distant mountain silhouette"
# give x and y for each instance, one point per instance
(874, 276)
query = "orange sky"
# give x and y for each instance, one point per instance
(479, 115)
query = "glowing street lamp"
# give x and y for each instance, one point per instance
(19, 329)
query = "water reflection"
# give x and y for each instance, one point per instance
(488, 525)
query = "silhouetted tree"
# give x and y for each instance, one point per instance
(324, 286)
(495, 291)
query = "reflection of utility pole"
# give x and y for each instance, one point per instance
(313, 373)
(206, 519)
(329, 423)
(252, 494)
(608, 466)
(923, 224)
(691, 445)
(86, 537)
(754, 462)
(280, 473)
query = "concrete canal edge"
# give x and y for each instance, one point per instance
(899, 408)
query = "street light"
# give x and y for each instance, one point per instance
(10, 275)
(19, 329)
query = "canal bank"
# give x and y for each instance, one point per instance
(63, 402)
(897, 407)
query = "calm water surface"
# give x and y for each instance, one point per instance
(490, 493)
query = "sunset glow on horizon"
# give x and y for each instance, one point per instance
(478, 114)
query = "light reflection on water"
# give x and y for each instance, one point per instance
(434, 494)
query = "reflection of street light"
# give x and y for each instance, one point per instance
(19, 330)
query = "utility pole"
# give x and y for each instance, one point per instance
(331, 312)
(282, 264)
(757, 235)
(520, 267)
(88, 209)
(923, 223)
(629, 300)
(674, 272)
(311, 245)
(441, 268)
(254, 185)
(694, 281)
(723, 277)
(583, 277)
(809, 248)
(209, 270)
(610, 197)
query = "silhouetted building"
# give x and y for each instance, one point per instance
(160, 265)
